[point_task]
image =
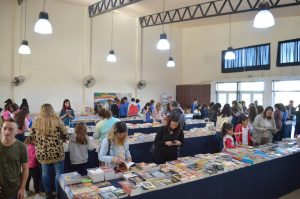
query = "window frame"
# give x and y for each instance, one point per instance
(278, 64)
(245, 68)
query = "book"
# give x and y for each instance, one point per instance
(124, 166)
(120, 193)
(108, 195)
(147, 166)
(148, 186)
(130, 188)
(136, 180)
(97, 174)
(69, 178)
(102, 184)
(128, 175)
(108, 188)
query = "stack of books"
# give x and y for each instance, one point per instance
(69, 178)
(97, 174)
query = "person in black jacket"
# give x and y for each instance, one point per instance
(176, 110)
(168, 140)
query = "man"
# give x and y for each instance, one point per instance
(194, 105)
(13, 158)
(175, 109)
(291, 110)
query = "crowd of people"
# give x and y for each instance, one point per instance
(42, 152)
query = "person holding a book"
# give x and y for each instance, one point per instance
(114, 150)
(168, 140)
(67, 113)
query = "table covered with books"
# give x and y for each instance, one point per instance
(196, 141)
(268, 171)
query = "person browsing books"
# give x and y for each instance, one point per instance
(114, 149)
(227, 132)
(168, 140)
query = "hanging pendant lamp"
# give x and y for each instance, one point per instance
(24, 47)
(43, 25)
(229, 55)
(163, 43)
(171, 62)
(111, 57)
(264, 18)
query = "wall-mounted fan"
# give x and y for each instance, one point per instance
(89, 81)
(17, 80)
(141, 84)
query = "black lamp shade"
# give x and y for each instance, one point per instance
(170, 58)
(163, 36)
(112, 52)
(44, 15)
(230, 49)
(24, 42)
(264, 6)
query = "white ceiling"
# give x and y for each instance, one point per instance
(147, 7)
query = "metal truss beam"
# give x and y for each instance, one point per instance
(108, 5)
(210, 9)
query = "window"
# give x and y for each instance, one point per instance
(288, 53)
(240, 91)
(284, 91)
(248, 59)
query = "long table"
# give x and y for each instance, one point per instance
(141, 152)
(156, 129)
(268, 180)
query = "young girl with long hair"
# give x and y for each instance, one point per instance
(67, 113)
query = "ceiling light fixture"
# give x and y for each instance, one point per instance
(171, 62)
(24, 47)
(43, 26)
(163, 43)
(229, 55)
(111, 57)
(264, 18)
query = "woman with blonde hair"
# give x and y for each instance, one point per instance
(48, 134)
(114, 149)
(157, 113)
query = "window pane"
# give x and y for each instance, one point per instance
(285, 97)
(246, 97)
(222, 98)
(226, 86)
(259, 97)
(289, 52)
(286, 85)
(231, 97)
(252, 86)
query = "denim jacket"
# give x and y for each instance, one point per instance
(113, 152)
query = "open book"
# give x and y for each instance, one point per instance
(124, 166)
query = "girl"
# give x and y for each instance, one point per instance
(48, 134)
(34, 170)
(22, 119)
(123, 109)
(66, 113)
(115, 148)
(242, 131)
(168, 140)
(157, 114)
(146, 113)
(79, 145)
(227, 131)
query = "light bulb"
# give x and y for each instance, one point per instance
(24, 48)
(43, 26)
(163, 43)
(111, 57)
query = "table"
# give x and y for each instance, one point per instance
(267, 180)
(141, 152)
(156, 129)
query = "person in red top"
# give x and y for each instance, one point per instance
(33, 165)
(132, 109)
(242, 131)
(227, 132)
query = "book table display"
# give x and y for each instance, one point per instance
(267, 171)
(196, 141)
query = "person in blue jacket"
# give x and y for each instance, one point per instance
(67, 113)
(123, 110)
(194, 105)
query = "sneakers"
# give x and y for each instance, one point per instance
(38, 196)
(27, 194)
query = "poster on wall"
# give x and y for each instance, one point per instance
(103, 97)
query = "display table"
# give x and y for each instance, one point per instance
(268, 180)
(141, 152)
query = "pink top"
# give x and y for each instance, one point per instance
(32, 161)
(6, 115)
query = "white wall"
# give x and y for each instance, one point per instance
(202, 48)
(59, 62)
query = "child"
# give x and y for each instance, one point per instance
(79, 145)
(227, 132)
(147, 113)
(34, 170)
(242, 131)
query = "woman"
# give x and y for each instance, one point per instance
(204, 111)
(278, 122)
(114, 149)
(264, 127)
(236, 112)
(48, 134)
(23, 121)
(147, 113)
(24, 104)
(104, 125)
(123, 109)
(224, 117)
(66, 113)
(252, 113)
(157, 113)
(168, 140)
(285, 114)
(214, 112)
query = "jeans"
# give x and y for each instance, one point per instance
(47, 174)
